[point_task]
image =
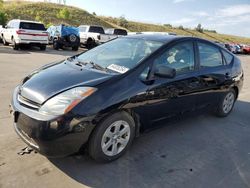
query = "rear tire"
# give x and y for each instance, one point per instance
(112, 137)
(43, 47)
(90, 44)
(226, 104)
(15, 45)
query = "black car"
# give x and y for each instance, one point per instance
(103, 98)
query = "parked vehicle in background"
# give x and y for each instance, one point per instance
(246, 49)
(230, 47)
(1, 28)
(18, 32)
(112, 33)
(152, 33)
(90, 35)
(103, 98)
(64, 36)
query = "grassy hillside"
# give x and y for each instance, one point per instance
(138, 26)
(50, 13)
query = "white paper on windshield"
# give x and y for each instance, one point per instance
(118, 68)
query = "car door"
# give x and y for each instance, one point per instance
(169, 97)
(7, 32)
(214, 74)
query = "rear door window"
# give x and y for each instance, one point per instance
(96, 29)
(210, 56)
(228, 57)
(32, 26)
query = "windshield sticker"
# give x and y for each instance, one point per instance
(118, 68)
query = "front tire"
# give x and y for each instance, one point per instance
(112, 137)
(56, 45)
(4, 41)
(226, 104)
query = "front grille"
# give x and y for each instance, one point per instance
(28, 103)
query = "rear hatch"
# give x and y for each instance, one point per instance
(34, 32)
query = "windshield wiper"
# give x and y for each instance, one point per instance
(94, 65)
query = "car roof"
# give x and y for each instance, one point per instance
(157, 37)
(30, 21)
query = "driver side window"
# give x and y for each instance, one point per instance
(180, 57)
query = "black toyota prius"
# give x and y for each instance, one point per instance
(102, 99)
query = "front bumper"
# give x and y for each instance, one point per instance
(50, 136)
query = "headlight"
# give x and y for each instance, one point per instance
(66, 101)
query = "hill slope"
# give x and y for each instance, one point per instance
(50, 13)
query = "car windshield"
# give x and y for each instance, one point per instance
(121, 54)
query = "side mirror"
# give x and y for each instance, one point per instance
(165, 71)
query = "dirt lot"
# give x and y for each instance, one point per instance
(202, 151)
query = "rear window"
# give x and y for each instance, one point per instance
(96, 29)
(120, 32)
(32, 26)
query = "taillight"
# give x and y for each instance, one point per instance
(45, 33)
(20, 31)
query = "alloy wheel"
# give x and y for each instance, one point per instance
(115, 138)
(228, 102)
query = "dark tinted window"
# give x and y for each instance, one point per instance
(179, 57)
(210, 56)
(32, 26)
(228, 57)
(96, 29)
(120, 32)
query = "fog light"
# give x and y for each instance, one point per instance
(53, 125)
(79, 128)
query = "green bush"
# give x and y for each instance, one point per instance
(63, 14)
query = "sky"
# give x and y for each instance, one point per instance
(224, 16)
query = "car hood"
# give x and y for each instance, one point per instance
(50, 80)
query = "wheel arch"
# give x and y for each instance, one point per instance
(236, 89)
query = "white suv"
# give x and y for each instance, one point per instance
(19, 32)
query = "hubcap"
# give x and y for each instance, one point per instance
(228, 102)
(115, 138)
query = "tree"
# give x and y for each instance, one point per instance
(123, 22)
(94, 13)
(181, 27)
(168, 25)
(3, 16)
(199, 28)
